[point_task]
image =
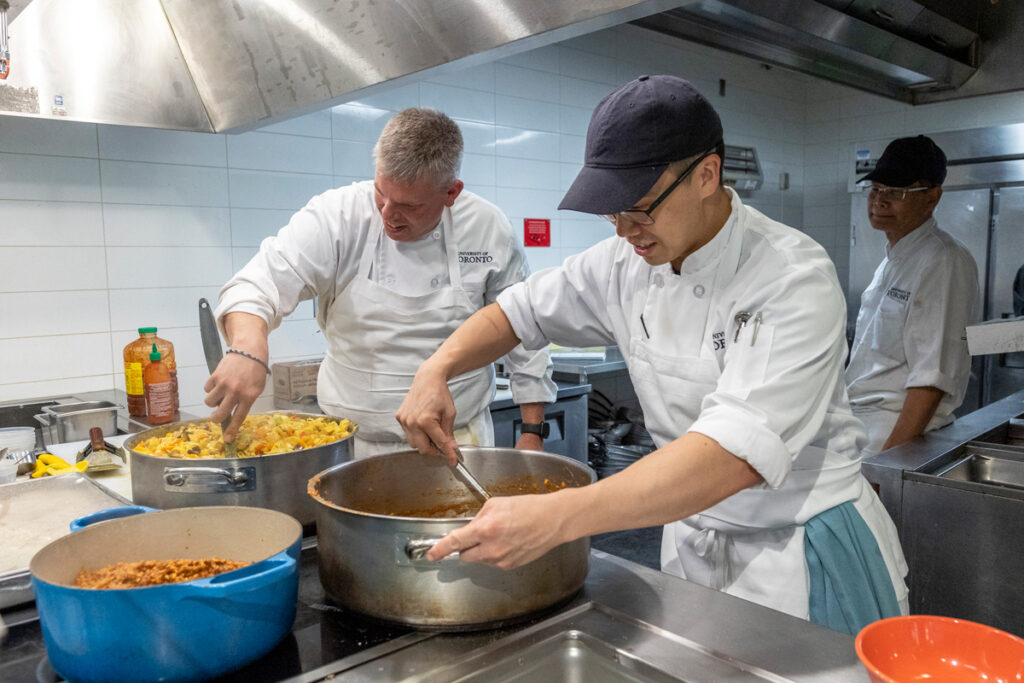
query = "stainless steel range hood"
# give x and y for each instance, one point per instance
(230, 65)
(916, 51)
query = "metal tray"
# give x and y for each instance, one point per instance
(72, 421)
(35, 512)
(985, 469)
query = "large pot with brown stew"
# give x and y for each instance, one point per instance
(376, 518)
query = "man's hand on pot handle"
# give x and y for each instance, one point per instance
(508, 532)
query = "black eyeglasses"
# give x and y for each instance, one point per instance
(643, 216)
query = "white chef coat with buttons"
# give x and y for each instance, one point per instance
(769, 391)
(911, 328)
(384, 306)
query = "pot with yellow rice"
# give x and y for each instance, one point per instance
(183, 464)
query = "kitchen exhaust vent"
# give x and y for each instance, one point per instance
(915, 51)
(232, 65)
(741, 170)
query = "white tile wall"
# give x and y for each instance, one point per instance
(108, 228)
(52, 178)
(42, 223)
(36, 136)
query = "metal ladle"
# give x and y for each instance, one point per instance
(468, 478)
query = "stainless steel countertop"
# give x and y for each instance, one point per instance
(933, 450)
(925, 453)
(683, 629)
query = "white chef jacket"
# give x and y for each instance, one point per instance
(910, 330)
(771, 392)
(335, 249)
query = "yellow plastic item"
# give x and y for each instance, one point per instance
(77, 467)
(49, 464)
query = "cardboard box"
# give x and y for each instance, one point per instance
(295, 379)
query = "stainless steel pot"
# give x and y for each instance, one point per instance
(372, 561)
(275, 482)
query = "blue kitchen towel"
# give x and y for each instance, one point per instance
(850, 586)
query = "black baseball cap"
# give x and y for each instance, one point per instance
(634, 134)
(908, 160)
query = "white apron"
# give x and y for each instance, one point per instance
(377, 339)
(879, 425)
(760, 558)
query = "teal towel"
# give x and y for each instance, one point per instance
(850, 586)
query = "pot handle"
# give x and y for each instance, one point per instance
(110, 513)
(253, 577)
(416, 548)
(210, 479)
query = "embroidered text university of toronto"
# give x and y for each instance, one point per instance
(897, 294)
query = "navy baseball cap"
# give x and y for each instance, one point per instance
(634, 134)
(907, 160)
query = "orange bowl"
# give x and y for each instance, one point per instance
(926, 648)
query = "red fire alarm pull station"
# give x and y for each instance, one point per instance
(537, 232)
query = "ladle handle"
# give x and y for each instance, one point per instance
(468, 477)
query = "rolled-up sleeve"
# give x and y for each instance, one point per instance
(569, 304)
(774, 392)
(297, 264)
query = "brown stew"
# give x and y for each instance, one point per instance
(469, 507)
(154, 572)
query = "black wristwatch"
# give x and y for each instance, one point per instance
(541, 429)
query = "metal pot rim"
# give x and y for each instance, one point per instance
(134, 439)
(312, 488)
(213, 509)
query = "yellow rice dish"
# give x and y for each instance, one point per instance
(260, 435)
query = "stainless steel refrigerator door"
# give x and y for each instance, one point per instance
(967, 215)
(867, 249)
(1005, 372)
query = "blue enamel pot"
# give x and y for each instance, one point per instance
(174, 632)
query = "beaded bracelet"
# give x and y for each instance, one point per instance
(249, 355)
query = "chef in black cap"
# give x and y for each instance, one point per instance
(909, 365)
(732, 326)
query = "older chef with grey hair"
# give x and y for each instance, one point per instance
(733, 330)
(397, 263)
(909, 366)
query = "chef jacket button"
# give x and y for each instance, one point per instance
(698, 291)
(437, 234)
(433, 282)
(659, 281)
(390, 280)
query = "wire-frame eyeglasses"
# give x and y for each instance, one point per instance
(892, 194)
(643, 216)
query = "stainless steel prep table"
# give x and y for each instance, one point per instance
(657, 623)
(934, 450)
(962, 534)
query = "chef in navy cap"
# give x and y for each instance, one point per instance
(909, 365)
(733, 329)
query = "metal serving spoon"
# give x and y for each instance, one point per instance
(468, 477)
